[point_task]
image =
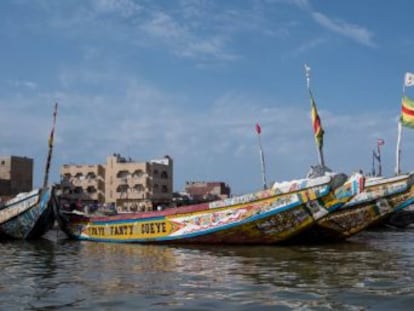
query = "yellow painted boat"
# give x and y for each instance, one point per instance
(380, 198)
(264, 217)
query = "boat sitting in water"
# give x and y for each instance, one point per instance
(29, 215)
(264, 217)
(381, 197)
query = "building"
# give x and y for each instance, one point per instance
(84, 182)
(131, 186)
(16, 175)
(201, 191)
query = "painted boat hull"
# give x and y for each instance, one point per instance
(28, 216)
(377, 202)
(264, 217)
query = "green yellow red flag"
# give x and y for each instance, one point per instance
(407, 112)
(317, 125)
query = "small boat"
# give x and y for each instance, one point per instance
(27, 216)
(380, 198)
(264, 217)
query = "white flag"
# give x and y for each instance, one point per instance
(409, 79)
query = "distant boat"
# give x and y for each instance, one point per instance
(264, 217)
(29, 215)
(380, 198)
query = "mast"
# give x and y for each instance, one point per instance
(49, 155)
(373, 163)
(259, 131)
(380, 142)
(399, 134)
(315, 120)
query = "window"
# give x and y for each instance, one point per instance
(122, 174)
(91, 189)
(164, 174)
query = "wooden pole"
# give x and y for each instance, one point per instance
(319, 148)
(49, 155)
(259, 131)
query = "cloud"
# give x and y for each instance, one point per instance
(125, 8)
(24, 85)
(354, 32)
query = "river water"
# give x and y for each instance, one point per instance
(371, 271)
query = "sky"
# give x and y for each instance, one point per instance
(191, 78)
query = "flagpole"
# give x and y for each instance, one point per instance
(258, 130)
(49, 155)
(373, 162)
(399, 134)
(379, 160)
(318, 147)
(398, 155)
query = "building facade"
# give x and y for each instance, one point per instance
(130, 185)
(16, 175)
(83, 182)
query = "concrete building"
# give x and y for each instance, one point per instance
(16, 175)
(131, 186)
(201, 191)
(84, 182)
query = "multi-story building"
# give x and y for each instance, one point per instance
(200, 191)
(131, 186)
(83, 182)
(16, 175)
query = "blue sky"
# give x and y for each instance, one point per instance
(191, 78)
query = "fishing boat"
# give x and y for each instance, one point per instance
(30, 215)
(380, 198)
(263, 217)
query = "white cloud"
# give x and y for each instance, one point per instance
(29, 85)
(126, 8)
(354, 32)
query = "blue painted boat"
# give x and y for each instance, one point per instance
(29, 215)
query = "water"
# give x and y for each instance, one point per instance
(372, 271)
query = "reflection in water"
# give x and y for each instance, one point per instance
(371, 271)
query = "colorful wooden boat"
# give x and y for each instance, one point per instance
(380, 198)
(28, 215)
(263, 217)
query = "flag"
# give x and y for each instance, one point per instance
(407, 112)
(258, 128)
(380, 142)
(409, 79)
(317, 126)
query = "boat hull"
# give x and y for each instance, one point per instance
(375, 204)
(28, 216)
(265, 217)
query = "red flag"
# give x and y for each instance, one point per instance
(380, 142)
(258, 128)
